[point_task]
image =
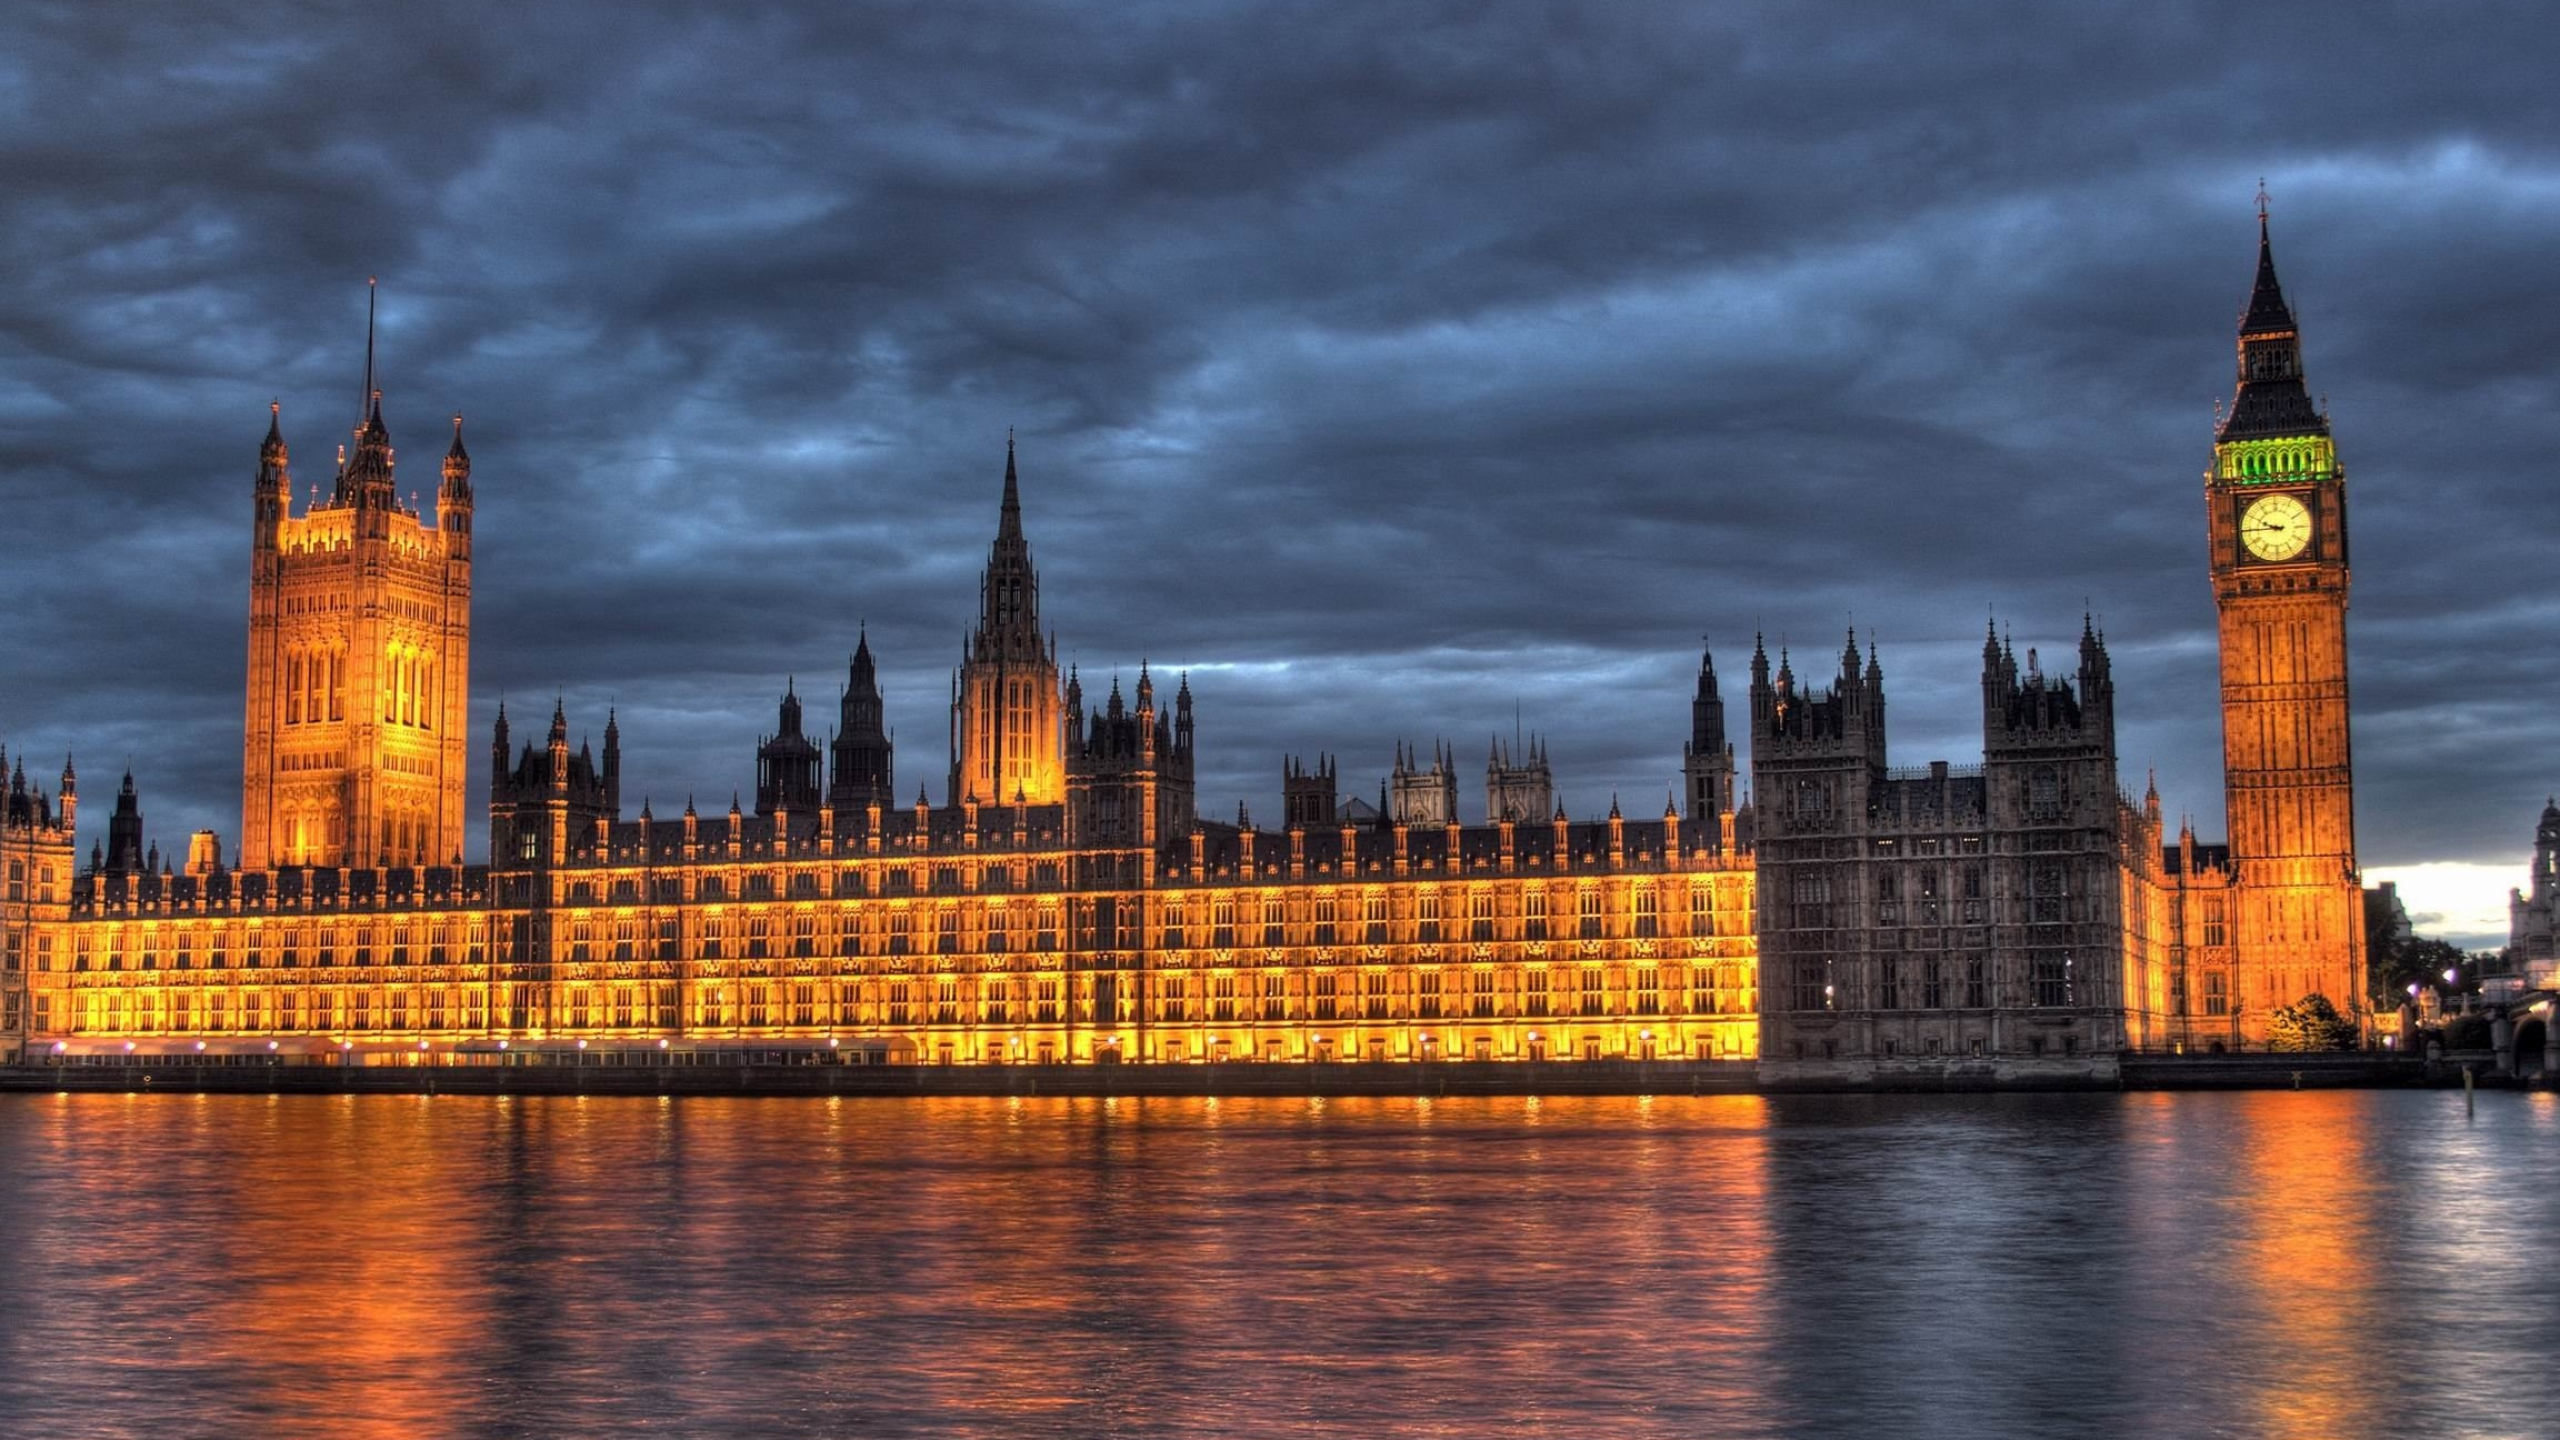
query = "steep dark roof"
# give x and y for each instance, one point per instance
(2270, 400)
(2267, 311)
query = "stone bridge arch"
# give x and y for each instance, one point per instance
(2526, 1032)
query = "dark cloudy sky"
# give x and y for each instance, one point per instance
(1387, 366)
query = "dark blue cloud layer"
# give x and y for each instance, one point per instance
(1393, 369)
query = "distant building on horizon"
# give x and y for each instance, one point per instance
(2532, 961)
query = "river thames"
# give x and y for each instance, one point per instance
(2316, 1264)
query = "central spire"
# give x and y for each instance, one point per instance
(1009, 592)
(371, 396)
(1009, 525)
(367, 476)
(2267, 312)
(1006, 733)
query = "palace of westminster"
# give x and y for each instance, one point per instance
(1067, 902)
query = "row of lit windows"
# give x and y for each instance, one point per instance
(214, 947)
(1219, 997)
(1217, 920)
(217, 1011)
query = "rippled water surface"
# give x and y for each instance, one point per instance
(2321, 1264)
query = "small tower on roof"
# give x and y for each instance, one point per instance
(864, 755)
(1007, 729)
(1420, 795)
(1518, 786)
(1706, 761)
(787, 762)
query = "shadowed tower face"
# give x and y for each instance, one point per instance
(1006, 723)
(359, 661)
(2276, 502)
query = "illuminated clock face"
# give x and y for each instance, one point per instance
(2276, 527)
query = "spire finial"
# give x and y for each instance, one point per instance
(2263, 198)
(371, 396)
(1009, 519)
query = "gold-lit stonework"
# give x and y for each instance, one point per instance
(2291, 907)
(1066, 902)
(970, 936)
(359, 664)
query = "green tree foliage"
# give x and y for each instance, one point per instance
(2422, 961)
(2310, 1023)
(2394, 962)
(2467, 1032)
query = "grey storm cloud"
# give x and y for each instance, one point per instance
(1395, 370)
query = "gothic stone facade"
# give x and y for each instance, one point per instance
(359, 663)
(1917, 920)
(1067, 902)
(1090, 917)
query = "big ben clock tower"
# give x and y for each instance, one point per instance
(2276, 507)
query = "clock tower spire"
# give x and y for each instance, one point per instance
(2276, 512)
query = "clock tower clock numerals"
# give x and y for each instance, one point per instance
(2276, 527)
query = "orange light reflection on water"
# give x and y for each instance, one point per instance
(2305, 1253)
(2244, 1264)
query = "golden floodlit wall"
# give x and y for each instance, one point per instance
(970, 953)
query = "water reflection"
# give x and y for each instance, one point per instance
(1675, 1266)
(2305, 1254)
